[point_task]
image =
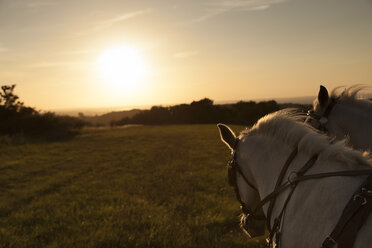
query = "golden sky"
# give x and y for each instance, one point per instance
(115, 53)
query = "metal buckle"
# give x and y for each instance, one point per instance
(292, 176)
(329, 242)
(364, 200)
(369, 192)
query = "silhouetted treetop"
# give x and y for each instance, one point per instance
(8, 99)
(203, 111)
(202, 102)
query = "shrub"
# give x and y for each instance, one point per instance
(18, 121)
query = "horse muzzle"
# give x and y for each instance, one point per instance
(252, 226)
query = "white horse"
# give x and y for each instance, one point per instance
(315, 205)
(344, 116)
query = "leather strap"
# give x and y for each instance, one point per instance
(353, 217)
(310, 177)
(277, 185)
(275, 230)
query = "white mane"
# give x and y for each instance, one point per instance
(285, 126)
(351, 96)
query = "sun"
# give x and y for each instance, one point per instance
(122, 69)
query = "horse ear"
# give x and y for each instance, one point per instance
(323, 96)
(228, 136)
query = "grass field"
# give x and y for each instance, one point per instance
(156, 186)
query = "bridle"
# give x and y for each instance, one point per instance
(293, 179)
(232, 169)
(322, 120)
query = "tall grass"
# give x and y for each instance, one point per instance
(136, 187)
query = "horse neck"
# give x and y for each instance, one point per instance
(353, 122)
(264, 159)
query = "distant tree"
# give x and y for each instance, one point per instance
(203, 102)
(8, 99)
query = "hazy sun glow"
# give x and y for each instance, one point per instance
(136, 53)
(122, 69)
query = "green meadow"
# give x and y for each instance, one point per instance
(141, 186)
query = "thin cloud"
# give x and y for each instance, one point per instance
(110, 22)
(219, 7)
(77, 52)
(185, 54)
(209, 14)
(244, 4)
(46, 64)
(105, 24)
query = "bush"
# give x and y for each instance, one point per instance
(23, 123)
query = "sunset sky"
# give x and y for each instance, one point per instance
(115, 53)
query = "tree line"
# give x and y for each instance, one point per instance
(202, 112)
(23, 122)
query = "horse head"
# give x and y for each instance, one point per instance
(252, 220)
(343, 115)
